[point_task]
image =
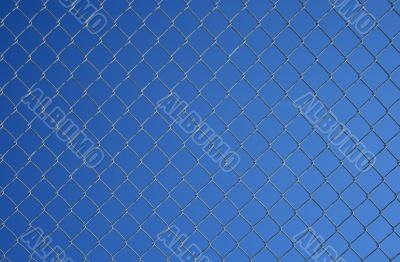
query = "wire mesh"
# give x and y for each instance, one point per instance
(159, 194)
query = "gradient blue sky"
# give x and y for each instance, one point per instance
(240, 65)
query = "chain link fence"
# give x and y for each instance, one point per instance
(171, 130)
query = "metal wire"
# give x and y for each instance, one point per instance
(153, 177)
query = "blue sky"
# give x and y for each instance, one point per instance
(240, 65)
